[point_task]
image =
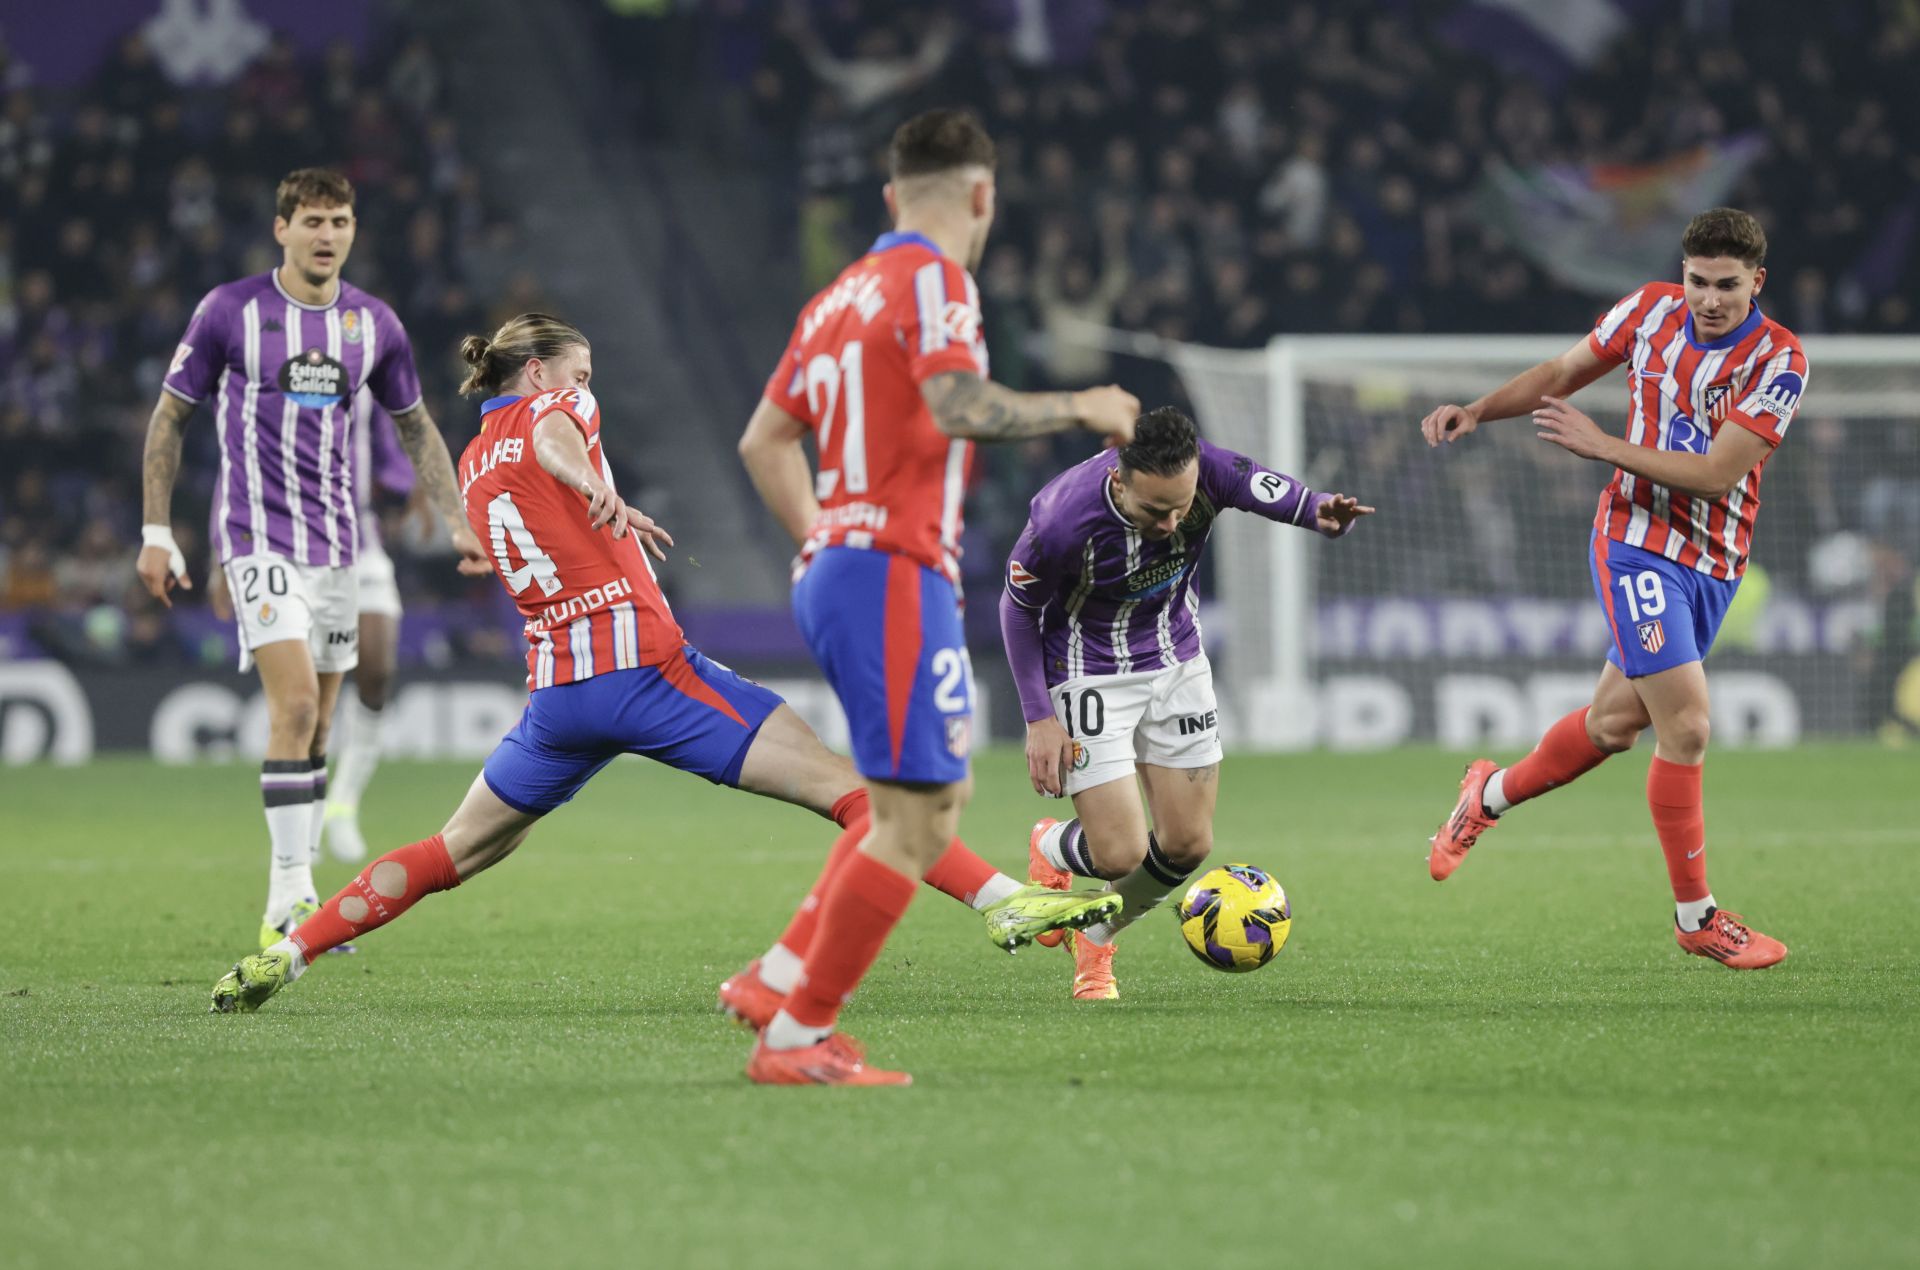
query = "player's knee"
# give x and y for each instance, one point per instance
(296, 716)
(1186, 851)
(1686, 734)
(1613, 734)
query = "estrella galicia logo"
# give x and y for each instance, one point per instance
(1686, 436)
(314, 379)
(1781, 397)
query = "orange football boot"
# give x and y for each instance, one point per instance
(748, 1000)
(1093, 972)
(1463, 828)
(1040, 871)
(837, 1060)
(1731, 942)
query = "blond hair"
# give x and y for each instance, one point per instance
(496, 361)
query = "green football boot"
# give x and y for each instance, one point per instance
(1034, 910)
(248, 985)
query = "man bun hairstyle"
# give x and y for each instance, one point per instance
(495, 361)
(312, 187)
(1726, 231)
(936, 141)
(1164, 442)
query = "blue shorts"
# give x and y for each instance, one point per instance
(1661, 614)
(887, 634)
(688, 712)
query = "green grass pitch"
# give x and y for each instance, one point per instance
(1518, 1068)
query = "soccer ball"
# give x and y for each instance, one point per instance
(1235, 917)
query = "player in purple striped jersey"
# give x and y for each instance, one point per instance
(1102, 630)
(280, 357)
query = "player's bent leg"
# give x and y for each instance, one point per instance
(912, 824)
(1575, 745)
(481, 833)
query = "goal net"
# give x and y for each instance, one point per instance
(1464, 614)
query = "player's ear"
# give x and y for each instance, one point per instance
(280, 230)
(983, 197)
(892, 201)
(1759, 279)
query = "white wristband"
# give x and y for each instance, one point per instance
(162, 536)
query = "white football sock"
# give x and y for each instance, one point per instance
(995, 889)
(787, 1033)
(1692, 914)
(1495, 794)
(359, 757)
(1064, 846)
(286, 787)
(780, 968)
(1144, 889)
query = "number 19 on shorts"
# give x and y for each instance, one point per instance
(1646, 593)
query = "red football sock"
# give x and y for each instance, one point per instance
(798, 936)
(960, 873)
(1563, 754)
(851, 807)
(864, 905)
(1673, 793)
(385, 889)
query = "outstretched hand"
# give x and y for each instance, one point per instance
(1336, 514)
(649, 534)
(1449, 424)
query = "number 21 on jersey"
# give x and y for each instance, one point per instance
(836, 382)
(508, 526)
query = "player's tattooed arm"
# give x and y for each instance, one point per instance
(161, 464)
(161, 566)
(974, 407)
(433, 469)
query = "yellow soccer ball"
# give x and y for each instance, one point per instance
(1235, 918)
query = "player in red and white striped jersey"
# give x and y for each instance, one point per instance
(1712, 386)
(610, 673)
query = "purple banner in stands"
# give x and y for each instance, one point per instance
(195, 42)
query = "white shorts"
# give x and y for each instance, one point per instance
(1164, 717)
(379, 590)
(275, 600)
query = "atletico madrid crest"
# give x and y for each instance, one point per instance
(1653, 637)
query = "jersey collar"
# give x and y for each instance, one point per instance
(281, 287)
(492, 404)
(895, 238)
(1738, 333)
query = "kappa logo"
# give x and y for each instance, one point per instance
(1653, 636)
(272, 326)
(1019, 575)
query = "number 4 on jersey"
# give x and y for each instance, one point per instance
(507, 525)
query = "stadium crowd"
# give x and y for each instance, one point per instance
(1217, 171)
(122, 204)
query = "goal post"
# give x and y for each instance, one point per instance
(1463, 612)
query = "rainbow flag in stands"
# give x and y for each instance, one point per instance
(1606, 228)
